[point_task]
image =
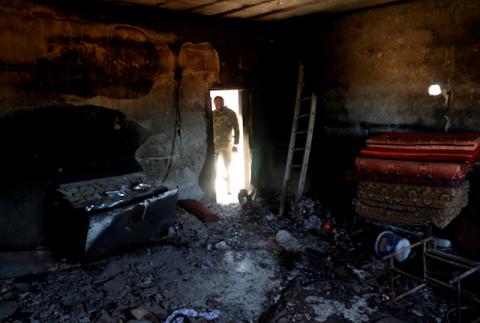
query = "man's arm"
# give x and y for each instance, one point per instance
(235, 128)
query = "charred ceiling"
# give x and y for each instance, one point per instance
(264, 10)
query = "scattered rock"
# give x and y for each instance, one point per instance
(156, 310)
(389, 320)
(222, 245)
(112, 270)
(7, 309)
(417, 313)
(140, 312)
(73, 300)
(270, 216)
(288, 242)
(312, 223)
(362, 274)
(115, 286)
(147, 292)
(104, 317)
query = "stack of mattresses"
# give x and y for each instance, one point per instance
(413, 178)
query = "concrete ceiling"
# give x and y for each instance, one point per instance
(266, 10)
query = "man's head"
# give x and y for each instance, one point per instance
(219, 103)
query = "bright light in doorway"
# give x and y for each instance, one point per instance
(237, 167)
(434, 90)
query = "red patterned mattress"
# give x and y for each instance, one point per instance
(443, 170)
(468, 141)
(415, 178)
(406, 180)
(422, 154)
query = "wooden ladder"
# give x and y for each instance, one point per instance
(295, 147)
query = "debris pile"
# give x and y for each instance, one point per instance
(231, 270)
(339, 278)
(202, 271)
(315, 218)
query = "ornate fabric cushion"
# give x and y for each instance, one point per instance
(415, 195)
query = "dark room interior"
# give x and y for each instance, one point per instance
(240, 161)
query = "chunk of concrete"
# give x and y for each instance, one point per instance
(288, 242)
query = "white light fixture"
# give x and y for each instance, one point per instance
(434, 90)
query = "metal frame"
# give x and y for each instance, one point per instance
(455, 283)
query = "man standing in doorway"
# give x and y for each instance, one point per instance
(226, 135)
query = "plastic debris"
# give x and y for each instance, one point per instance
(178, 316)
(443, 243)
(312, 223)
(387, 242)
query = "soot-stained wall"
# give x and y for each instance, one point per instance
(51, 59)
(84, 88)
(374, 67)
(371, 70)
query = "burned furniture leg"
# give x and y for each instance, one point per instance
(458, 281)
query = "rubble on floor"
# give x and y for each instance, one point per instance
(232, 270)
(188, 270)
(338, 278)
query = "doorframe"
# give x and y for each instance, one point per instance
(245, 109)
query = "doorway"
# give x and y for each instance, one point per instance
(240, 165)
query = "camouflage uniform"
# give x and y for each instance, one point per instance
(224, 123)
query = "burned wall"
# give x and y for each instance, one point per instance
(374, 67)
(46, 146)
(144, 74)
(371, 70)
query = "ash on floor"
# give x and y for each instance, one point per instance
(233, 270)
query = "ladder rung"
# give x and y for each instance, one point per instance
(300, 112)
